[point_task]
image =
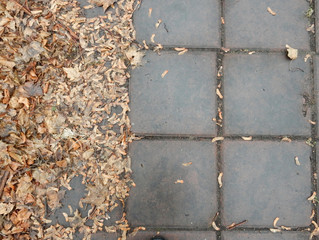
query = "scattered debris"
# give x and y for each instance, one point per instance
(275, 230)
(187, 164)
(297, 161)
(312, 197)
(164, 73)
(234, 225)
(247, 138)
(179, 181)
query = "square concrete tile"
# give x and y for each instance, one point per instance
(176, 235)
(182, 23)
(181, 102)
(250, 25)
(158, 200)
(264, 94)
(233, 235)
(261, 182)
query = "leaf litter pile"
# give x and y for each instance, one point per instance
(63, 113)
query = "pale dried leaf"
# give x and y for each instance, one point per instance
(219, 93)
(247, 138)
(275, 230)
(6, 208)
(275, 222)
(271, 11)
(187, 164)
(292, 52)
(179, 181)
(220, 182)
(297, 161)
(215, 139)
(312, 197)
(215, 226)
(164, 73)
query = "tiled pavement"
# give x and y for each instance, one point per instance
(234, 81)
(237, 47)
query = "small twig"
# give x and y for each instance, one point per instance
(23, 7)
(72, 33)
(232, 226)
(3, 181)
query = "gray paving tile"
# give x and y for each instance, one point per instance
(264, 95)
(232, 235)
(261, 182)
(157, 200)
(316, 68)
(182, 102)
(249, 24)
(184, 23)
(175, 235)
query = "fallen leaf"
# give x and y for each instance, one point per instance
(285, 228)
(150, 12)
(152, 38)
(275, 230)
(292, 52)
(247, 138)
(215, 226)
(219, 93)
(286, 139)
(164, 73)
(297, 161)
(215, 139)
(134, 56)
(158, 23)
(312, 214)
(4, 62)
(252, 52)
(312, 122)
(222, 20)
(275, 222)
(73, 73)
(271, 11)
(187, 164)
(220, 183)
(6, 208)
(307, 57)
(225, 49)
(311, 28)
(312, 197)
(30, 89)
(179, 181)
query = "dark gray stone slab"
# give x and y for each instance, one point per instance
(157, 200)
(261, 182)
(184, 23)
(264, 95)
(182, 102)
(232, 235)
(316, 66)
(250, 25)
(175, 235)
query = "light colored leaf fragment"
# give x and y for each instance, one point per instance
(164, 73)
(179, 181)
(219, 93)
(6, 63)
(292, 52)
(271, 11)
(215, 139)
(247, 138)
(312, 197)
(307, 57)
(158, 23)
(150, 12)
(88, 153)
(275, 222)
(225, 49)
(312, 122)
(73, 73)
(252, 52)
(6, 208)
(152, 38)
(286, 139)
(182, 52)
(187, 164)
(179, 49)
(297, 161)
(215, 226)
(311, 28)
(220, 176)
(312, 214)
(285, 228)
(134, 56)
(275, 230)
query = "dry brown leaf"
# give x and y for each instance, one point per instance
(271, 11)
(275, 222)
(215, 226)
(152, 38)
(103, 3)
(30, 89)
(220, 182)
(247, 138)
(179, 181)
(215, 139)
(292, 52)
(187, 164)
(4, 62)
(297, 161)
(164, 73)
(312, 197)
(219, 93)
(6, 208)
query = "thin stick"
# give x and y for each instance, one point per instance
(236, 225)
(3, 182)
(23, 7)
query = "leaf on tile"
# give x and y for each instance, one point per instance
(150, 12)
(219, 93)
(187, 164)
(312, 197)
(292, 53)
(215, 226)
(179, 181)
(152, 38)
(220, 182)
(215, 139)
(286, 139)
(275, 230)
(297, 161)
(158, 23)
(271, 11)
(247, 138)
(275, 222)
(164, 73)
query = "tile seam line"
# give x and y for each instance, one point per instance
(226, 137)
